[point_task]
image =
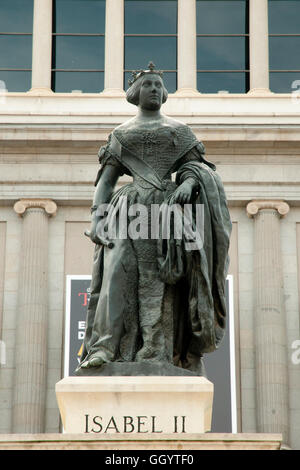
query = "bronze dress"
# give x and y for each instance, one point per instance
(150, 300)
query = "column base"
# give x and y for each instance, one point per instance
(260, 91)
(40, 91)
(188, 92)
(113, 92)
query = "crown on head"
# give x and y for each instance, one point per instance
(139, 73)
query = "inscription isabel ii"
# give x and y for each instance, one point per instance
(133, 424)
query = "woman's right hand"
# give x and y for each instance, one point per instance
(93, 231)
(95, 238)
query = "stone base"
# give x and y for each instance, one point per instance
(146, 442)
(135, 405)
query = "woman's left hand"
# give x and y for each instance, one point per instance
(182, 195)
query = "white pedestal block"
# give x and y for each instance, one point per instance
(135, 405)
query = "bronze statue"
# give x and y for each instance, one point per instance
(152, 300)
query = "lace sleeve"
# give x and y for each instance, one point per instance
(105, 157)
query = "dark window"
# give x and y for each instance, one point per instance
(151, 35)
(284, 42)
(78, 45)
(16, 23)
(222, 46)
(235, 82)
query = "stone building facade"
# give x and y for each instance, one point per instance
(48, 161)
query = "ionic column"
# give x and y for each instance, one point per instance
(41, 47)
(31, 336)
(187, 47)
(114, 47)
(269, 318)
(259, 46)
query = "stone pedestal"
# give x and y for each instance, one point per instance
(135, 405)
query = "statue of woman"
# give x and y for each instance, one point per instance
(152, 300)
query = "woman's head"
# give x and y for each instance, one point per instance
(147, 91)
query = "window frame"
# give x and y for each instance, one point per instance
(19, 33)
(283, 35)
(214, 35)
(158, 35)
(18, 69)
(282, 70)
(54, 70)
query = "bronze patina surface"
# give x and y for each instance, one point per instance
(156, 307)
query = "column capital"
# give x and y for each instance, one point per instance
(48, 205)
(254, 207)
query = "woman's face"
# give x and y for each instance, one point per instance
(151, 92)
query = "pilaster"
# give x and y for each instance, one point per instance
(114, 48)
(187, 43)
(31, 337)
(269, 318)
(41, 47)
(259, 46)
